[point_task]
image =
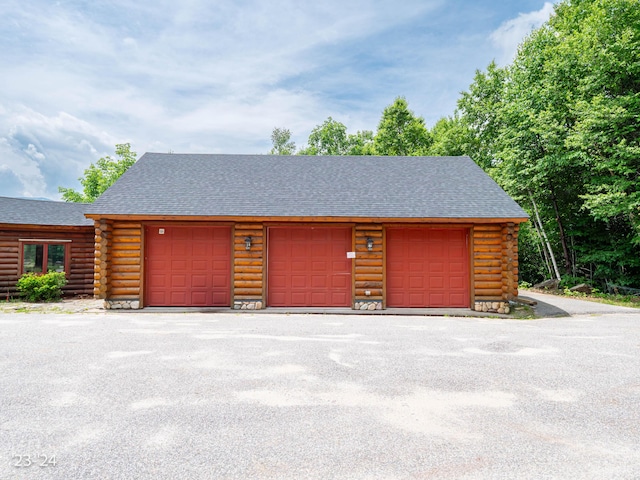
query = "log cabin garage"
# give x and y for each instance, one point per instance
(40, 236)
(260, 231)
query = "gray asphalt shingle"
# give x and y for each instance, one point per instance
(309, 186)
(22, 211)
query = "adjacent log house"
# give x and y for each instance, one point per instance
(40, 236)
(259, 231)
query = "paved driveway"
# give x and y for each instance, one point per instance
(559, 306)
(180, 396)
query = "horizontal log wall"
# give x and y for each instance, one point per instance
(125, 262)
(248, 265)
(9, 262)
(495, 262)
(102, 240)
(510, 260)
(369, 265)
(487, 262)
(80, 251)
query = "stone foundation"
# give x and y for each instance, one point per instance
(122, 304)
(368, 305)
(492, 307)
(247, 305)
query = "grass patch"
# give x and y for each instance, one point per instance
(523, 312)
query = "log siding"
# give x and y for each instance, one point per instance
(79, 248)
(368, 266)
(248, 266)
(495, 262)
(119, 268)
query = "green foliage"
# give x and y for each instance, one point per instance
(569, 281)
(400, 132)
(560, 127)
(101, 175)
(531, 264)
(42, 288)
(282, 144)
(331, 138)
(361, 143)
(452, 137)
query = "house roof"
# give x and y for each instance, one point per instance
(306, 186)
(24, 211)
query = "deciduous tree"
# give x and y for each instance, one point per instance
(101, 175)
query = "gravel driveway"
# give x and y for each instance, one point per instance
(181, 396)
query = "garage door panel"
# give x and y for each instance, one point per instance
(298, 266)
(437, 299)
(196, 270)
(200, 266)
(427, 267)
(277, 281)
(298, 281)
(298, 299)
(178, 298)
(313, 261)
(341, 282)
(319, 281)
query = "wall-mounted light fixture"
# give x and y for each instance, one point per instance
(247, 243)
(369, 243)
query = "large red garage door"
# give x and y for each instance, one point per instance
(427, 267)
(308, 267)
(188, 266)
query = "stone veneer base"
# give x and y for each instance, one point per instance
(248, 305)
(122, 304)
(368, 305)
(492, 307)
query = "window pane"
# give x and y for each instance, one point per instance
(32, 257)
(55, 258)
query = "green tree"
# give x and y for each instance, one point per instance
(101, 175)
(281, 141)
(360, 143)
(559, 129)
(330, 138)
(479, 111)
(400, 132)
(452, 137)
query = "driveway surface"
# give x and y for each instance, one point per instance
(223, 395)
(560, 306)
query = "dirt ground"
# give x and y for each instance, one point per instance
(68, 305)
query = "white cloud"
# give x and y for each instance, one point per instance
(44, 152)
(206, 76)
(511, 33)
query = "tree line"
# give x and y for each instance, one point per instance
(558, 129)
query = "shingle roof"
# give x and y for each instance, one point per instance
(24, 211)
(307, 186)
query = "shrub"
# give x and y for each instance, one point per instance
(41, 288)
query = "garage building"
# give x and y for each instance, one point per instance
(259, 231)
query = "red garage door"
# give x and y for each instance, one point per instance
(427, 267)
(188, 266)
(308, 267)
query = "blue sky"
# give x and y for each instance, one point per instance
(217, 76)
